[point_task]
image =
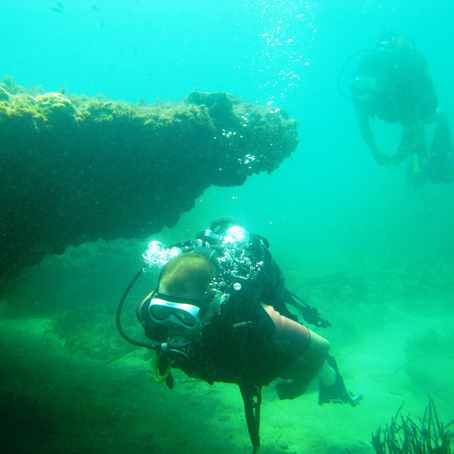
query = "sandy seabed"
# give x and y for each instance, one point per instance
(56, 399)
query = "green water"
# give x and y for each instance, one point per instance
(375, 257)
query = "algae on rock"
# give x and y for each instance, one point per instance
(78, 169)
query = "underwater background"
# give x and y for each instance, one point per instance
(375, 257)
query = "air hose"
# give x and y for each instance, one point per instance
(151, 345)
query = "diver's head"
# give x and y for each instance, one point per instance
(187, 276)
(173, 313)
(386, 41)
(390, 41)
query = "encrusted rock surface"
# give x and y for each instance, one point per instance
(77, 169)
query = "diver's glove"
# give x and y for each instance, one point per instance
(382, 159)
(401, 155)
(336, 393)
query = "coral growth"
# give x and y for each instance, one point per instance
(77, 169)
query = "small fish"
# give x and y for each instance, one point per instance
(95, 8)
(56, 9)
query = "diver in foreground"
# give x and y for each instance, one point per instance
(219, 314)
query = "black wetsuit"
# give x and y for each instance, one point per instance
(399, 85)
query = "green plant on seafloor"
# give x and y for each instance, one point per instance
(430, 437)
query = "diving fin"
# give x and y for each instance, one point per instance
(336, 393)
(440, 167)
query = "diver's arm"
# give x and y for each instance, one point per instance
(368, 136)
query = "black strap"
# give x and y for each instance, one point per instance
(249, 392)
(309, 313)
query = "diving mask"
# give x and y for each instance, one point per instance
(174, 311)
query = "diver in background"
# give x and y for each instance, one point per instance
(392, 83)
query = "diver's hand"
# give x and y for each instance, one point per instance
(382, 158)
(401, 155)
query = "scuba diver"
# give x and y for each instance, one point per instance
(219, 313)
(392, 83)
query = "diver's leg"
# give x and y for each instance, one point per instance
(441, 161)
(308, 349)
(442, 141)
(303, 369)
(334, 390)
(310, 359)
